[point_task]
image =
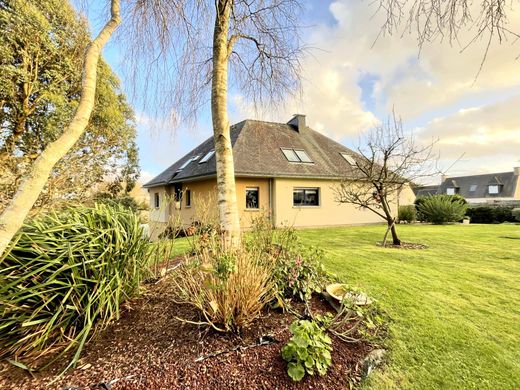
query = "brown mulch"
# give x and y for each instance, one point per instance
(148, 349)
(404, 245)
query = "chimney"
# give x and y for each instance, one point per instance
(443, 178)
(298, 121)
(516, 170)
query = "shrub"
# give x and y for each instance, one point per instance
(66, 273)
(421, 199)
(516, 213)
(308, 350)
(229, 289)
(491, 214)
(440, 209)
(125, 201)
(298, 270)
(407, 213)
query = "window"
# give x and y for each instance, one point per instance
(303, 156)
(306, 197)
(294, 155)
(252, 198)
(188, 198)
(156, 201)
(451, 191)
(493, 189)
(349, 158)
(207, 156)
(290, 155)
(472, 188)
(184, 165)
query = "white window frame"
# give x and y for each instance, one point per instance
(257, 189)
(496, 189)
(451, 191)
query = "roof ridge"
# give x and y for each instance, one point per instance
(479, 174)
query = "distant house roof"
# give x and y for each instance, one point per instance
(477, 186)
(426, 190)
(257, 151)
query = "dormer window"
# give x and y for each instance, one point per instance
(348, 157)
(494, 189)
(451, 191)
(296, 155)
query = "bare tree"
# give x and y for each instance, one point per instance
(33, 183)
(390, 162)
(444, 20)
(254, 46)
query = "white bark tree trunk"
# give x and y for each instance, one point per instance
(32, 185)
(226, 190)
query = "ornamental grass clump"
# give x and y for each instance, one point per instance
(229, 288)
(65, 275)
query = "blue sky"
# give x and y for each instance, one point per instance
(351, 83)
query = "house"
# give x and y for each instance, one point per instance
(285, 169)
(488, 188)
(425, 190)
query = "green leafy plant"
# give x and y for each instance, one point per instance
(516, 213)
(308, 350)
(300, 272)
(491, 214)
(407, 213)
(440, 209)
(66, 274)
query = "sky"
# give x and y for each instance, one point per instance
(353, 80)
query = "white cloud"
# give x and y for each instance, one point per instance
(436, 89)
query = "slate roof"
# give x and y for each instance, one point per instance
(257, 152)
(506, 180)
(426, 190)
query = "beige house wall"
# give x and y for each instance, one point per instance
(328, 213)
(203, 204)
(517, 176)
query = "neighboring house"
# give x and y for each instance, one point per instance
(425, 190)
(286, 170)
(488, 188)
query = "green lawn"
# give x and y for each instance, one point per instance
(454, 307)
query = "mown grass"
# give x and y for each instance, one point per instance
(454, 307)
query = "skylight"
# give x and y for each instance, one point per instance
(184, 165)
(473, 188)
(303, 156)
(294, 155)
(207, 156)
(349, 158)
(290, 155)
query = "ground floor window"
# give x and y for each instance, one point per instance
(306, 197)
(188, 198)
(252, 198)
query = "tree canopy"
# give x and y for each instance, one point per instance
(42, 46)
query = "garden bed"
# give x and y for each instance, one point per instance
(149, 349)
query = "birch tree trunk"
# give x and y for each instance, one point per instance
(32, 185)
(226, 190)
